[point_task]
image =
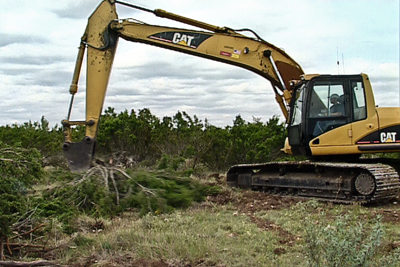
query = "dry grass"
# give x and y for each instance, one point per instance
(234, 228)
(211, 235)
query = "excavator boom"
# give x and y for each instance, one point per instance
(216, 43)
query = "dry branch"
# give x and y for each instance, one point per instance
(18, 246)
(27, 233)
(20, 223)
(108, 173)
(1, 249)
(28, 264)
(144, 189)
(115, 186)
(8, 247)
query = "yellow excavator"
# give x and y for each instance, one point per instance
(331, 119)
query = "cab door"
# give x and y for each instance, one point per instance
(328, 109)
(296, 125)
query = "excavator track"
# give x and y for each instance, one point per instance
(334, 182)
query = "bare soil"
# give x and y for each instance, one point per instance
(249, 203)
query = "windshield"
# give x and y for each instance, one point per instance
(327, 99)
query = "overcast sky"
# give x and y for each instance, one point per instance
(39, 40)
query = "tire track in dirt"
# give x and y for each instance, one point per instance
(250, 202)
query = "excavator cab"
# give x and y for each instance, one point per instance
(327, 105)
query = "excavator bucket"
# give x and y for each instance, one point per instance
(79, 155)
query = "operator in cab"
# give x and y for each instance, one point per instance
(337, 108)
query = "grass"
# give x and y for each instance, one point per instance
(218, 236)
(212, 233)
(342, 235)
(208, 236)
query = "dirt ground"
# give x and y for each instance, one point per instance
(251, 202)
(248, 203)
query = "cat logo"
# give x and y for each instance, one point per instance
(184, 38)
(389, 137)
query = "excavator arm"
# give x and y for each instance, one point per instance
(216, 43)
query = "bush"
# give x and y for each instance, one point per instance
(20, 168)
(146, 137)
(32, 135)
(342, 242)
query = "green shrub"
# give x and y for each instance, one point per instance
(342, 242)
(20, 168)
(31, 135)
(171, 140)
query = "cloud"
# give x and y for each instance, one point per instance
(74, 9)
(7, 39)
(39, 40)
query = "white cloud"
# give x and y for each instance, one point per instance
(39, 40)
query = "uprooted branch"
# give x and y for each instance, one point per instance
(107, 173)
(30, 231)
(28, 264)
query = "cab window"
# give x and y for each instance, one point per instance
(298, 107)
(327, 99)
(359, 107)
(326, 107)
